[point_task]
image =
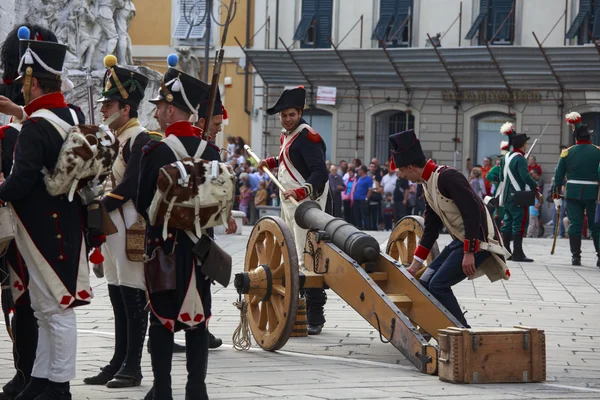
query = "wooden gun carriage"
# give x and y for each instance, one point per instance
(348, 261)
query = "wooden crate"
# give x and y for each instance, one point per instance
(497, 355)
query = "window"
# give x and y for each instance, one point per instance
(192, 20)
(388, 123)
(314, 29)
(592, 120)
(586, 23)
(488, 137)
(494, 24)
(394, 24)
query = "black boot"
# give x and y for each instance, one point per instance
(13, 387)
(150, 394)
(315, 301)
(130, 373)
(177, 348)
(214, 342)
(196, 344)
(507, 238)
(34, 388)
(56, 391)
(108, 372)
(596, 241)
(162, 357)
(518, 254)
(575, 244)
(26, 337)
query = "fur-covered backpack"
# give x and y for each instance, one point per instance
(192, 194)
(85, 158)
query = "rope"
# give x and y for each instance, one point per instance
(241, 335)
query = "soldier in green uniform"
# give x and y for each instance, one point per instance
(516, 178)
(580, 165)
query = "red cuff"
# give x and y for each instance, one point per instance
(471, 246)
(271, 163)
(300, 193)
(422, 252)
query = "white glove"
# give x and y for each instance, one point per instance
(558, 202)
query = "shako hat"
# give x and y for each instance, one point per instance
(41, 59)
(290, 98)
(122, 84)
(217, 109)
(181, 90)
(406, 149)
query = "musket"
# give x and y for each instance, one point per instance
(216, 73)
(536, 140)
(269, 173)
(90, 87)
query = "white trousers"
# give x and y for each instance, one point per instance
(57, 334)
(118, 270)
(288, 209)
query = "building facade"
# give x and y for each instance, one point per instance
(179, 26)
(371, 70)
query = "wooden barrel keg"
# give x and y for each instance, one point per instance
(300, 326)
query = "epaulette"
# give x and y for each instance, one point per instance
(313, 135)
(150, 146)
(564, 153)
(155, 135)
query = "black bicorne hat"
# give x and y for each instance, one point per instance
(122, 84)
(517, 140)
(582, 131)
(290, 98)
(406, 149)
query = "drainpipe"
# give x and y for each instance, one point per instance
(276, 22)
(246, 69)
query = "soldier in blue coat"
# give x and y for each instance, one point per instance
(189, 306)
(24, 324)
(49, 229)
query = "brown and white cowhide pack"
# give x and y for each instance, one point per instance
(87, 154)
(192, 194)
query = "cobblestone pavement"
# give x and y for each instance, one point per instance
(347, 361)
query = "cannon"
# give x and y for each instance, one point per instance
(349, 262)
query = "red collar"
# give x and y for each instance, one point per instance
(51, 100)
(198, 131)
(519, 151)
(428, 170)
(583, 142)
(181, 128)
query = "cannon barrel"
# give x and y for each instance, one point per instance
(355, 243)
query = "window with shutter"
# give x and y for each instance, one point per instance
(314, 29)
(393, 26)
(480, 20)
(493, 23)
(192, 22)
(585, 9)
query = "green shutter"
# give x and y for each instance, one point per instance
(585, 7)
(483, 11)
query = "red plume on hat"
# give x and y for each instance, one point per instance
(507, 129)
(573, 118)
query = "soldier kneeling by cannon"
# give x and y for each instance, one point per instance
(477, 246)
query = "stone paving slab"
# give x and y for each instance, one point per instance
(348, 361)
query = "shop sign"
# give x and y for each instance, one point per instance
(493, 96)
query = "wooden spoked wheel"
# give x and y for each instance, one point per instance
(272, 264)
(404, 240)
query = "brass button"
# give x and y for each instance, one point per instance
(59, 236)
(60, 257)
(170, 235)
(54, 215)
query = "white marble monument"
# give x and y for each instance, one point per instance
(91, 29)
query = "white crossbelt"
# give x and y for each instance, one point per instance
(582, 182)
